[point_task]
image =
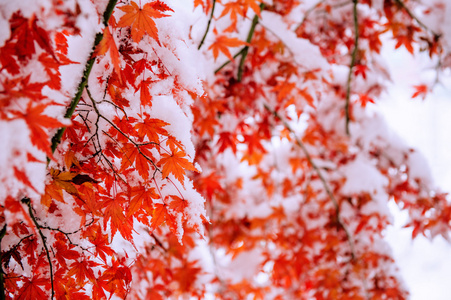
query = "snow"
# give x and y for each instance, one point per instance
(165, 108)
(362, 177)
(310, 56)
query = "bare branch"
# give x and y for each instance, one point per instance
(353, 59)
(208, 25)
(27, 201)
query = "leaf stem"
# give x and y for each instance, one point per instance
(208, 25)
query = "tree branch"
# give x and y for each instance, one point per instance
(229, 61)
(27, 201)
(353, 59)
(410, 13)
(208, 25)
(245, 49)
(248, 40)
(328, 191)
(56, 139)
(321, 177)
(307, 13)
(2, 283)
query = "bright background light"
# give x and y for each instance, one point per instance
(425, 125)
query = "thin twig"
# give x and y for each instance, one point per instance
(99, 115)
(410, 13)
(353, 59)
(307, 13)
(208, 25)
(229, 61)
(158, 242)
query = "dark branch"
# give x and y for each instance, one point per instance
(2, 284)
(27, 201)
(353, 59)
(208, 25)
(248, 40)
(410, 13)
(84, 80)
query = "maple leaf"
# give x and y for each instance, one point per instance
(108, 44)
(140, 156)
(100, 241)
(158, 216)
(64, 180)
(176, 164)
(151, 128)
(7, 59)
(141, 19)
(115, 213)
(360, 70)
(222, 43)
(227, 140)
(420, 90)
(141, 198)
(37, 123)
(27, 32)
(22, 176)
(178, 204)
(82, 270)
(33, 288)
(187, 275)
(145, 95)
(364, 99)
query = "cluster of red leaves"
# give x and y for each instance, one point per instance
(114, 174)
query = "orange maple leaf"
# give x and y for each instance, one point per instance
(158, 216)
(141, 157)
(141, 19)
(222, 44)
(151, 128)
(108, 44)
(176, 164)
(141, 198)
(178, 204)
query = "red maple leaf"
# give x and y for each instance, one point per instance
(39, 123)
(420, 90)
(151, 128)
(141, 19)
(33, 288)
(108, 44)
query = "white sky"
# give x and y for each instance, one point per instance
(425, 125)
